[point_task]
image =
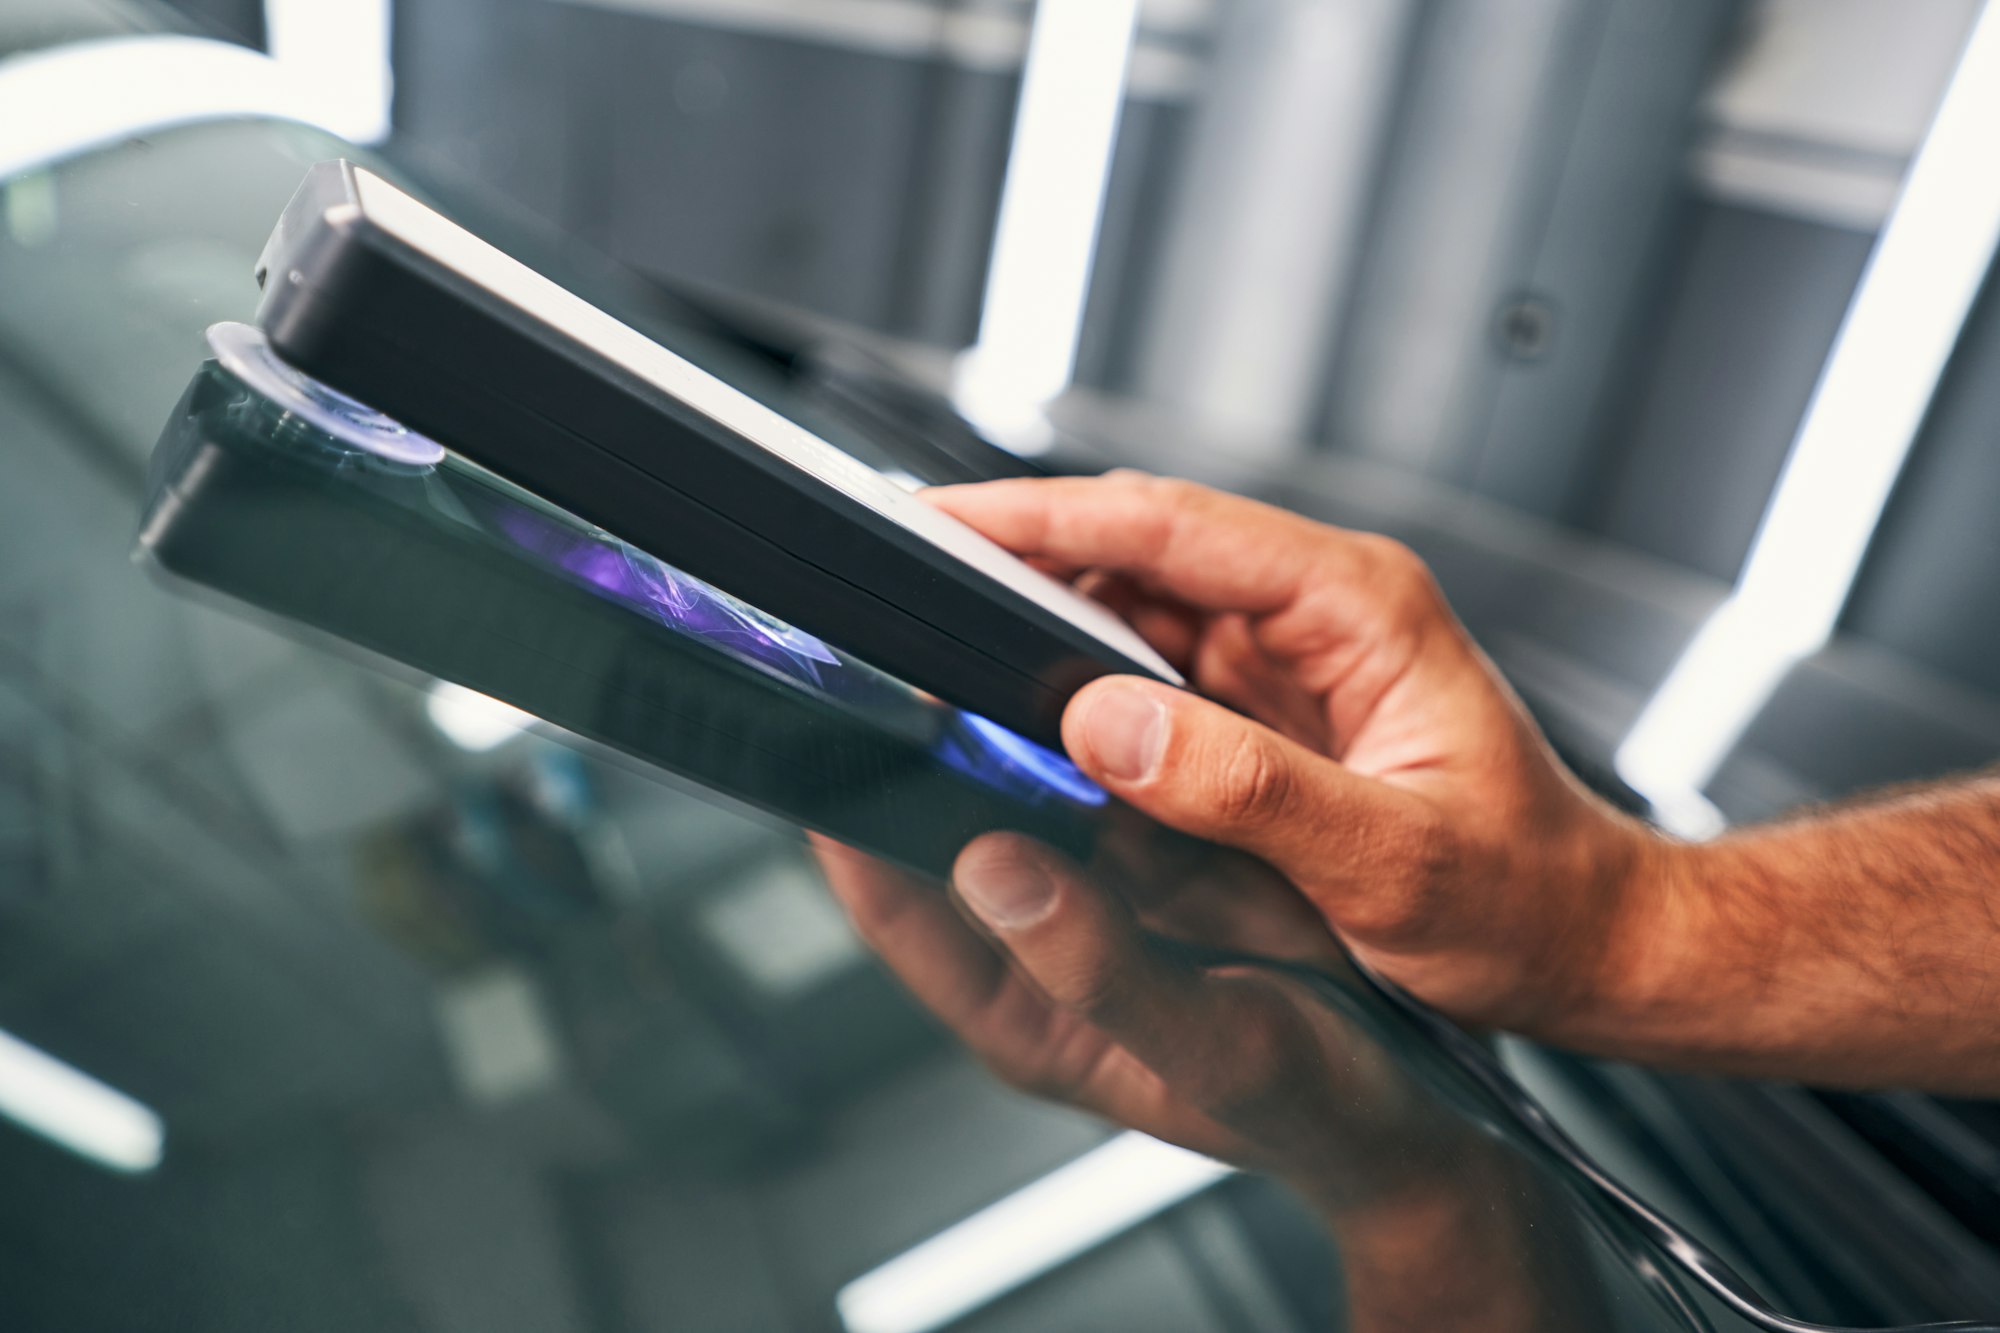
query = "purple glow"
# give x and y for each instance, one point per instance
(687, 600)
(685, 603)
(980, 749)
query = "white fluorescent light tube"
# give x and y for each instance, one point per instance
(339, 49)
(67, 100)
(1927, 267)
(69, 1107)
(1067, 1213)
(1065, 132)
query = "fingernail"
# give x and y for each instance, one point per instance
(1126, 730)
(1007, 892)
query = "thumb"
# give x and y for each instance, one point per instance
(1198, 767)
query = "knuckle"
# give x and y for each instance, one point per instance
(1392, 558)
(1173, 498)
(1156, 505)
(1252, 783)
(1403, 572)
(1409, 605)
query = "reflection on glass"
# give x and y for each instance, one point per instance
(471, 720)
(69, 1107)
(1067, 1213)
(1139, 997)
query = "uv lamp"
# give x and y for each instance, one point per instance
(373, 293)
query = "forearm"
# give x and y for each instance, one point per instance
(1855, 946)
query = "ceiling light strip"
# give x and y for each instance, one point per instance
(1908, 309)
(1067, 1213)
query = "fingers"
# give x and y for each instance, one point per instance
(1168, 625)
(1347, 615)
(1361, 850)
(1213, 551)
(1216, 1044)
(1231, 667)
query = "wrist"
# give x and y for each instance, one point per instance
(1653, 950)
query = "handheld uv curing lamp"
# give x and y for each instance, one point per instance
(562, 513)
(373, 293)
(279, 492)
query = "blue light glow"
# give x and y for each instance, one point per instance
(1000, 758)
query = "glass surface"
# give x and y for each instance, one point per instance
(496, 1033)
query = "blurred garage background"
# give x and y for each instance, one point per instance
(1584, 258)
(1546, 288)
(1581, 256)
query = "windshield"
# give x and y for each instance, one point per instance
(368, 1002)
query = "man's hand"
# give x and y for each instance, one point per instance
(1377, 760)
(1379, 763)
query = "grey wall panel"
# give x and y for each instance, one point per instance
(1854, 717)
(1525, 216)
(488, 89)
(960, 161)
(1475, 156)
(1151, 137)
(860, 183)
(1278, 178)
(1931, 586)
(763, 165)
(1604, 239)
(1747, 324)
